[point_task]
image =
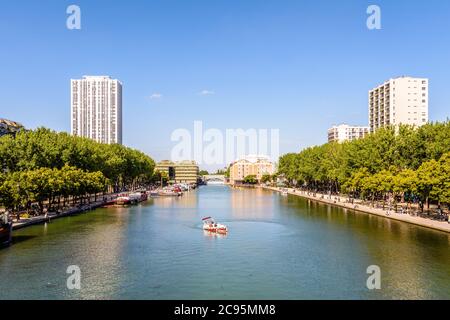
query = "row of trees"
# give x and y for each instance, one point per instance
(430, 182)
(22, 189)
(34, 162)
(391, 152)
(268, 178)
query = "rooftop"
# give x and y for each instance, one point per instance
(9, 127)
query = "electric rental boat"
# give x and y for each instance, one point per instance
(211, 226)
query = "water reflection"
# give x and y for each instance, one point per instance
(214, 235)
(400, 249)
(277, 248)
(188, 200)
(259, 206)
(101, 252)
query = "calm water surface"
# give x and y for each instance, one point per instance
(277, 248)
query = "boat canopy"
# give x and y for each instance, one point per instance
(207, 218)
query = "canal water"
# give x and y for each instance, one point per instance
(277, 248)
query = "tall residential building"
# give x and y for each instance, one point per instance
(248, 166)
(345, 132)
(398, 101)
(96, 108)
(179, 172)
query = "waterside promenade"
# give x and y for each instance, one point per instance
(26, 222)
(357, 206)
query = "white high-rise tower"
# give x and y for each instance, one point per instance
(399, 101)
(96, 108)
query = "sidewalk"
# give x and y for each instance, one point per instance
(428, 223)
(52, 215)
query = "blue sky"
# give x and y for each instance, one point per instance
(299, 66)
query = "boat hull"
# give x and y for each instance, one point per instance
(122, 202)
(132, 198)
(5, 234)
(169, 194)
(216, 230)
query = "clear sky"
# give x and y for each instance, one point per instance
(298, 66)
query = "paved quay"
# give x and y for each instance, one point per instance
(26, 222)
(428, 223)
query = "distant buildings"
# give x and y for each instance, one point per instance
(250, 165)
(9, 127)
(96, 108)
(401, 100)
(345, 132)
(179, 172)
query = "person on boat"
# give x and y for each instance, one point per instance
(6, 217)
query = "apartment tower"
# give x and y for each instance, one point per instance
(398, 101)
(96, 108)
(344, 132)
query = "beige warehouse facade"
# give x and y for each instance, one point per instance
(257, 166)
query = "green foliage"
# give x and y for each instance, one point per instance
(389, 161)
(21, 188)
(266, 178)
(160, 177)
(251, 179)
(44, 148)
(203, 173)
(43, 164)
(227, 173)
(443, 187)
(405, 181)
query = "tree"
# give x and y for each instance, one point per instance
(443, 188)
(227, 172)
(355, 185)
(44, 166)
(405, 183)
(160, 177)
(428, 178)
(203, 173)
(251, 179)
(266, 178)
(332, 166)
